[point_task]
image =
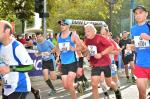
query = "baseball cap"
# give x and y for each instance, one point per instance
(66, 22)
(140, 7)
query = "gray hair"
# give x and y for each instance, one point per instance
(91, 26)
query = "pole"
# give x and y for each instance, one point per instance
(23, 21)
(44, 20)
(110, 15)
(131, 13)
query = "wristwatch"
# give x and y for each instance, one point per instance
(13, 68)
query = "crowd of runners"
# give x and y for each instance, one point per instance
(67, 51)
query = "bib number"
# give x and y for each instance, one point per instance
(64, 47)
(140, 42)
(92, 49)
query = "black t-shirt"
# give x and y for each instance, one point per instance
(124, 43)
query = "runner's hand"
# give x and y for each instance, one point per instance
(98, 55)
(4, 69)
(72, 48)
(37, 54)
(46, 53)
(145, 36)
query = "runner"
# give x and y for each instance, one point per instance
(127, 55)
(81, 80)
(140, 33)
(66, 42)
(99, 48)
(46, 50)
(14, 64)
(113, 55)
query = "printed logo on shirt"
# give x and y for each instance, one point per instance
(140, 42)
(4, 59)
(64, 47)
(92, 49)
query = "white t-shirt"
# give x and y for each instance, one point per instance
(15, 81)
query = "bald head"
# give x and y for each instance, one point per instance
(6, 26)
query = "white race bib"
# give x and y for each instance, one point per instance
(141, 43)
(128, 52)
(45, 55)
(92, 49)
(10, 82)
(65, 46)
(113, 67)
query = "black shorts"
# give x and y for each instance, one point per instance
(96, 71)
(127, 59)
(48, 65)
(80, 62)
(66, 68)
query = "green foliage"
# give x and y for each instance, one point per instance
(97, 10)
(8, 9)
(74, 9)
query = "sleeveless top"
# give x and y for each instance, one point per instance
(66, 55)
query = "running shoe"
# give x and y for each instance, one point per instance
(80, 88)
(118, 94)
(106, 95)
(133, 80)
(52, 92)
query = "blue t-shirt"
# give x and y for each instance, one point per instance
(142, 47)
(46, 46)
(66, 55)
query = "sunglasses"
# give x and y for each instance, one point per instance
(63, 24)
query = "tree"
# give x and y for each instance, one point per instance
(12, 10)
(79, 9)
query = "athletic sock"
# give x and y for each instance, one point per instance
(49, 83)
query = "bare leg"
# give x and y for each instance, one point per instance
(142, 86)
(95, 80)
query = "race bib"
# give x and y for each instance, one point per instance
(140, 42)
(65, 46)
(113, 67)
(10, 84)
(128, 52)
(45, 55)
(92, 49)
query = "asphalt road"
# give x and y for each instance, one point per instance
(128, 90)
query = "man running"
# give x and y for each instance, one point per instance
(99, 48)
(127, 55)
(66, 42)
(14, 65)
(140, 33)
(46, 50)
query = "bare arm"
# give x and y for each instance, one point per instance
(106, 51)
(145, 36)
(78, 43)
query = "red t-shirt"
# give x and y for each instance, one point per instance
(115, 48)
(23, 41)
(101, 44)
